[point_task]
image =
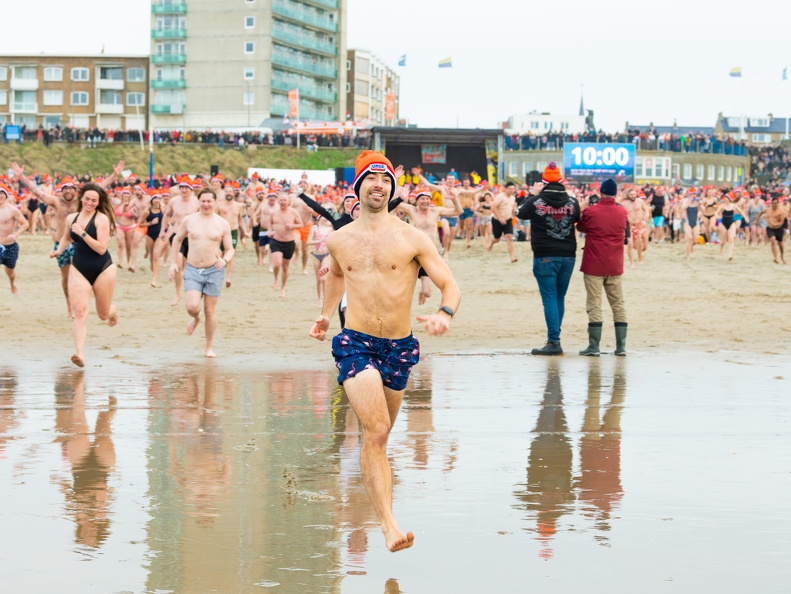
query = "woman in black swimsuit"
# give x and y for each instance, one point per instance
(92, 269)
(152, 221)
(729, 226)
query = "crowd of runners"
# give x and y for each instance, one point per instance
(288, 225)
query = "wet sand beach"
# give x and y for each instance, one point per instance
(156, 470)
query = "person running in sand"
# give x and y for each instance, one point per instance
(727, 213)
(503, 210)
(92, 269)
(284, 226)
(690, 213)
(205, 263)
(638, 212)
(263, 216)
(233, 212)
(318, 240)
(126, 215)
(151, 221)
(12, 225)
(175, 213)
(777, 222)
(376, 259)
(61, 204)
(424, 217)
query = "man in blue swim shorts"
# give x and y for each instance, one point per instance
(376, 260)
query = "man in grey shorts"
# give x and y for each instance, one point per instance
(204, 270)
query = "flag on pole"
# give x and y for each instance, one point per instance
(446, 63)
(785, 74)
(736, 72)
(402, 60)
(293, 103)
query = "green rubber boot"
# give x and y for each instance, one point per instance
(594, 337)
(620, 339)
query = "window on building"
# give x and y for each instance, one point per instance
(513, 168)
(729, 174)
(527, 167)
(762, 138)
(362, 64)
(712, 172)
(25, 72)
(52, 121)
(348, 87)
(721, 173)
(111, 73)
(79, 98)
(699, 172)
(175, 48)
(687, 171)
(53, 97)
(248, 99)
(249, 22)
(136, 99)
(53, 73)
(638, 167)
(80, 74)
(3, 72)
(3, 97)
(109, 97)
(534, 125)
(135, 74)
(249, 47)
(361, 87)
(759, 122)
(249, 73)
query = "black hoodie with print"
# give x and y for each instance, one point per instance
(552, 215)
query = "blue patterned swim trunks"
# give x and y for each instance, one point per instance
(355, 352)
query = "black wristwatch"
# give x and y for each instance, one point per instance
(447, 310)
(83, 234)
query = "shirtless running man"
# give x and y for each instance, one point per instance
(376, 259)
(205, 263)
(503, 211)
(638, 213)
(284, 226)
(777, 222)
(424, 216)
(12, 224)
(175, 213)
(233, 212)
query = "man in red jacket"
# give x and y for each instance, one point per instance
(602, 264)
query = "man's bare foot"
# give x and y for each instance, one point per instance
(113, 319)
(282, 293)
(176, 300)
(131, 269)
(210, 354)
(153, 284)
(14, 288)
(77, 361)
(274, 285)
(397, 541)
(304, 271)
(192, 325)
(514, 260)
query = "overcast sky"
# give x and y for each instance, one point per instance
(636, 62)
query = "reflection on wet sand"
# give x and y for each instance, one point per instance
(9, 413)
(599, 483)
(88, 495)
(548, 494)
(551, 490)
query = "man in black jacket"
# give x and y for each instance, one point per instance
(552, 214)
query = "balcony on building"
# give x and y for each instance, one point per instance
(294, 12)
(25, 107)
(169, 34)
(169, 59)
(306, 91)
(169, 84)
(167, 109)
(280, 106)
(110, 108)
(301, 64)
(24, 84)
(169, 8)
(284, 35)
(331, 4)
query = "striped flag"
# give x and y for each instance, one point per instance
(735, 72)
(446, 63)
(402, 60)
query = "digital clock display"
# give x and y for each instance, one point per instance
(586, 162)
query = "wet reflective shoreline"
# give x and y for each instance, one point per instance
(658, 472)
